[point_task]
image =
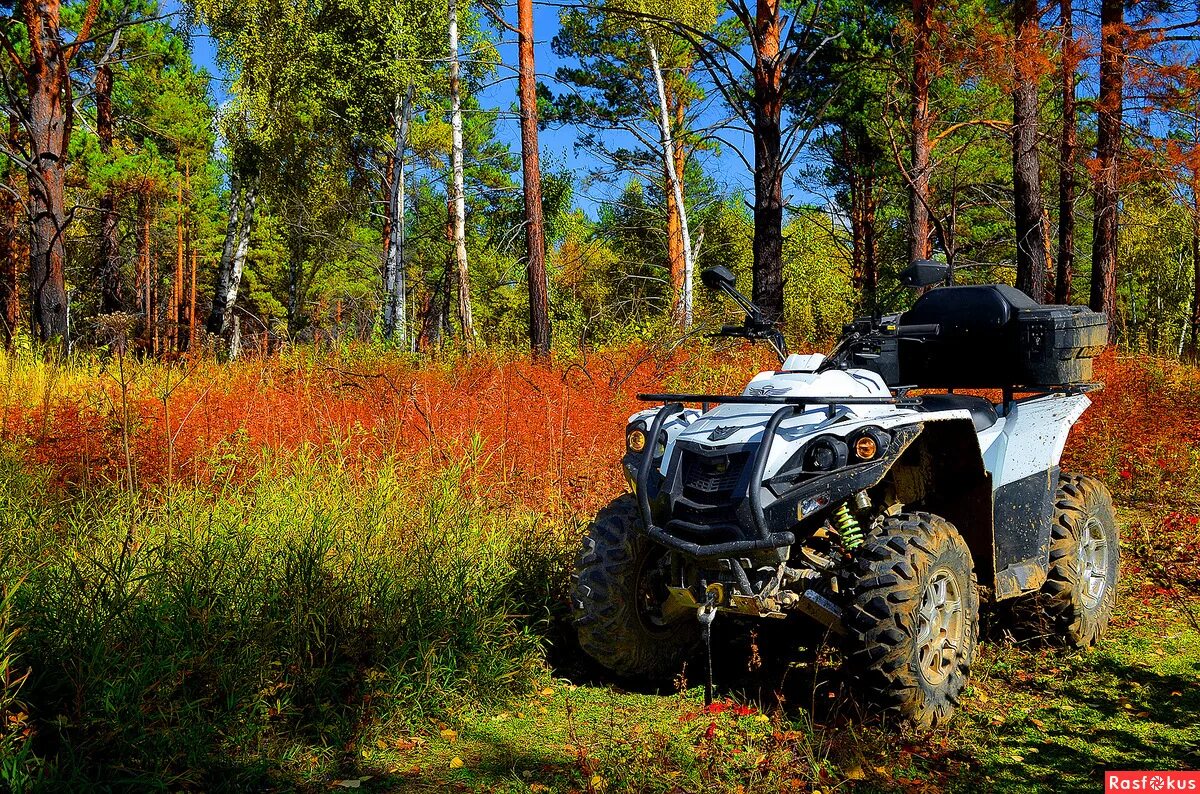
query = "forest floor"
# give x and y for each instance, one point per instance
(1032, 719)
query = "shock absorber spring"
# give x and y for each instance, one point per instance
(848, 527)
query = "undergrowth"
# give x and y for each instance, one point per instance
(193, 639)
(239, 577)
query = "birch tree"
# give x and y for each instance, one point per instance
(458, 201)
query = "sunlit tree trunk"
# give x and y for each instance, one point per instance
(1067, 185)
(1109, 107)
(919, 196)
(395, 321)
(242, 199)
(1032, 256)
(458, 196)
(683, 310)
(768, 160)
(535, 233)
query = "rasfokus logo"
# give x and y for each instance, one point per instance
(1152, 781)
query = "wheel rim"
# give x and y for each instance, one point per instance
(1093, 563)
(939, 626)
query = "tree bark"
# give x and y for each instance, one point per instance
(49, 132)
(458, 196)
(531, 176)
(242, 198)
(1067, 185)
(108, 269)
(675, 183)
(176, 314)
(1032, 256)
(395, 321)
(1109, 108)
(768, 161)
(919, 168)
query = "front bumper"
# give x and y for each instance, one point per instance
(766, 517)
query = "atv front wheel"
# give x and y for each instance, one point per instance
(1081, 583)
(620, 598)
(913, 617)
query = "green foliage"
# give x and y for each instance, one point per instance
(191, 635)
(819, 295)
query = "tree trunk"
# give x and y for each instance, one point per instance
(108, 270)
(1193, 346)
(1067, 184)
(1032, 256)
(144, 278)
(531, 176)
(242, 197)
(1109, 107)
(919, 168)
(675, 183)
(395, 323)
(191, 307)
(768, 161)
(176, 313)
(458, 196)
(49, 126)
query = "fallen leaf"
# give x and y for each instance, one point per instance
(983, 698)
(456, 763)
(1142, 714)
(449, 735)
(547, 691)
(1041, 725)
(1176, 694)
(596, 782)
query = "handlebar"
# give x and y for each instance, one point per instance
(915, 331)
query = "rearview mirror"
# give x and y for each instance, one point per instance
(924, 273)
(717, 277)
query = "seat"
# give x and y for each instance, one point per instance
(968, 313)
(983, 413)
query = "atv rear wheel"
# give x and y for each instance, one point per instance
(619, 598)
(1081, 583)
(912, 622)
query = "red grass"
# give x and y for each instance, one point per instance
(549, 437)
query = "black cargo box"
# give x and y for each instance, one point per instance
(995, 336)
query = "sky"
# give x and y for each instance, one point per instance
(557, 143)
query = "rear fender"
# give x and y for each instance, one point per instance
(942, 472)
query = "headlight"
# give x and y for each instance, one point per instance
(868, 443)
(825, 453)
(635, 437)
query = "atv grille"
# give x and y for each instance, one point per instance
(713, 474)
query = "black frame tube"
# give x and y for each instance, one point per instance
(765, 540)
(743, 399)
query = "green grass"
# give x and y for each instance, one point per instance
(322, 626)
(1032, 720)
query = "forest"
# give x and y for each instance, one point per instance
(345, 175)
(323, 324)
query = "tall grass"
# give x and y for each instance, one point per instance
(196, 639)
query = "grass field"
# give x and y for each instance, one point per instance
(345, 569)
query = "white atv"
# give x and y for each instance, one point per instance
(826, 490)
